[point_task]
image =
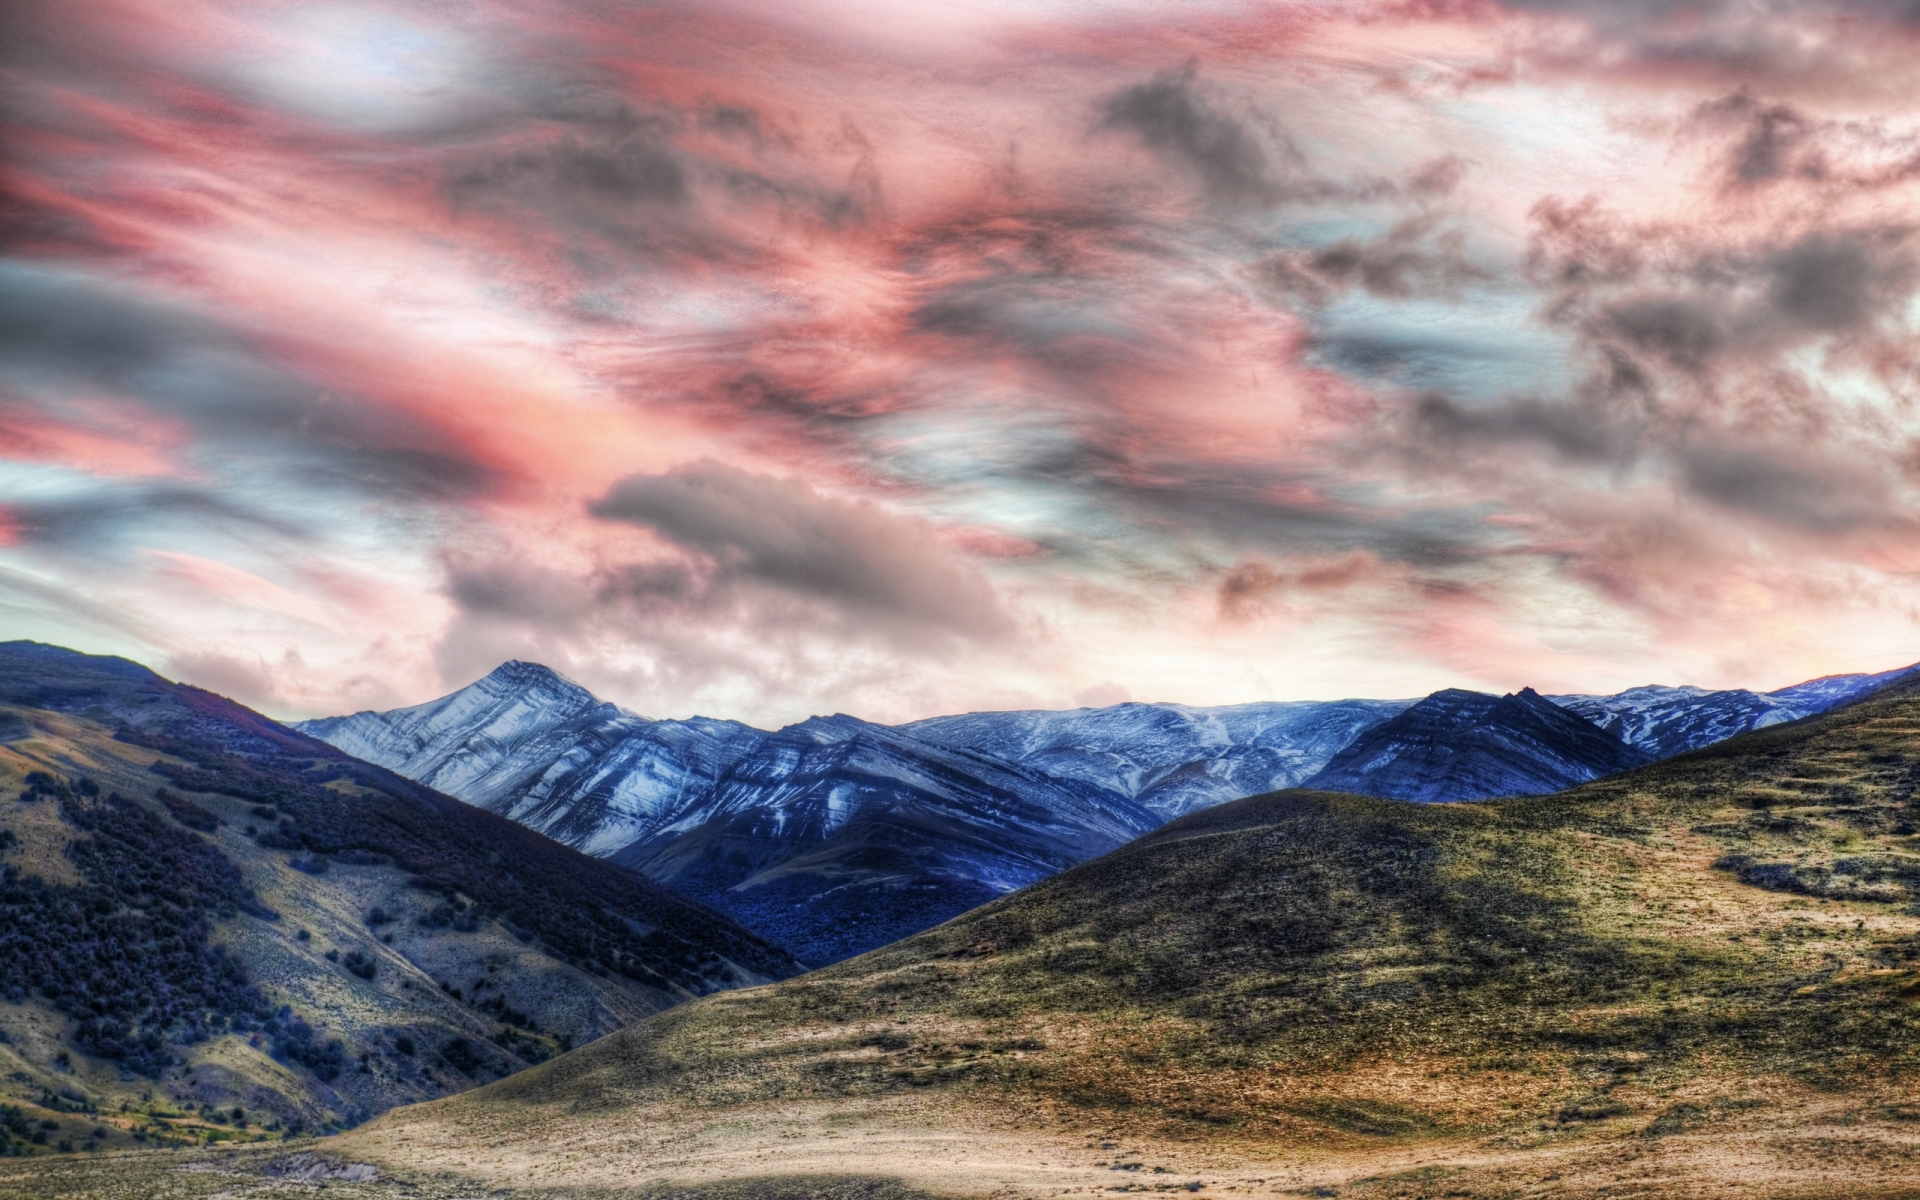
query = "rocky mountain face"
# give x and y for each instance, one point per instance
(834, 836)
(542, 750)
(1170, 758)
(1460, 745)
(204, 908)
(1664, 721)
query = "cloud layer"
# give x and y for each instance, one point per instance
(762, 361)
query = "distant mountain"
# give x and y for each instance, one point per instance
(834, 836)
(542, 750)
(1460, 745)
(1664, 721)
(1171, 758)
(206, 905)
(837, 834)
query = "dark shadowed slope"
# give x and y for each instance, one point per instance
(1458, 745)
(204, 904)
(835, 836)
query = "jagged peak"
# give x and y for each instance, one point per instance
(834, 727)
(516, 675)
(521, 673)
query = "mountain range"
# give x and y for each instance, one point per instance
(835, 835)
(831, 836)
(1170, 758)
(1458, 744)
(838, 835)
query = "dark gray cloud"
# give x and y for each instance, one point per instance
(1685, 299)
(624, 162)
(1688, 336)
(90, 522)
(1685, 331)
(745, 528)
(1418, 255)
(1798, 487)
(1235, 166)
(1764, 144)
(618, 181)
(61, 333)
(1840, 282)
(1574, 432)
(1812, 47)
(1039, 282)
(1769, 141)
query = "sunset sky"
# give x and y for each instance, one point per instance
(761, 360)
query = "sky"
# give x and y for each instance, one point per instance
(763, 360)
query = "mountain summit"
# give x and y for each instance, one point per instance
(532, 745)
(1461, 745)
(831, 836)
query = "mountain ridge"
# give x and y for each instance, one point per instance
(871, 834)
(696, 802)
(1461, 745)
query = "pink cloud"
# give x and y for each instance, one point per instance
(1065, 330)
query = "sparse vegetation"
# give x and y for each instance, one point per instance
(1312, 970)
(582, 911)
(127, 954)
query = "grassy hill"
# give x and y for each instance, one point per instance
(1699, 978)
(215, 929)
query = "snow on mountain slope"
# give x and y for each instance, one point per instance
(834, 836)
(1831, 691)
(1460, 745)
(537, 748)
(897, 832)
(1664, 721)
(1172, 758)
(836, 832)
